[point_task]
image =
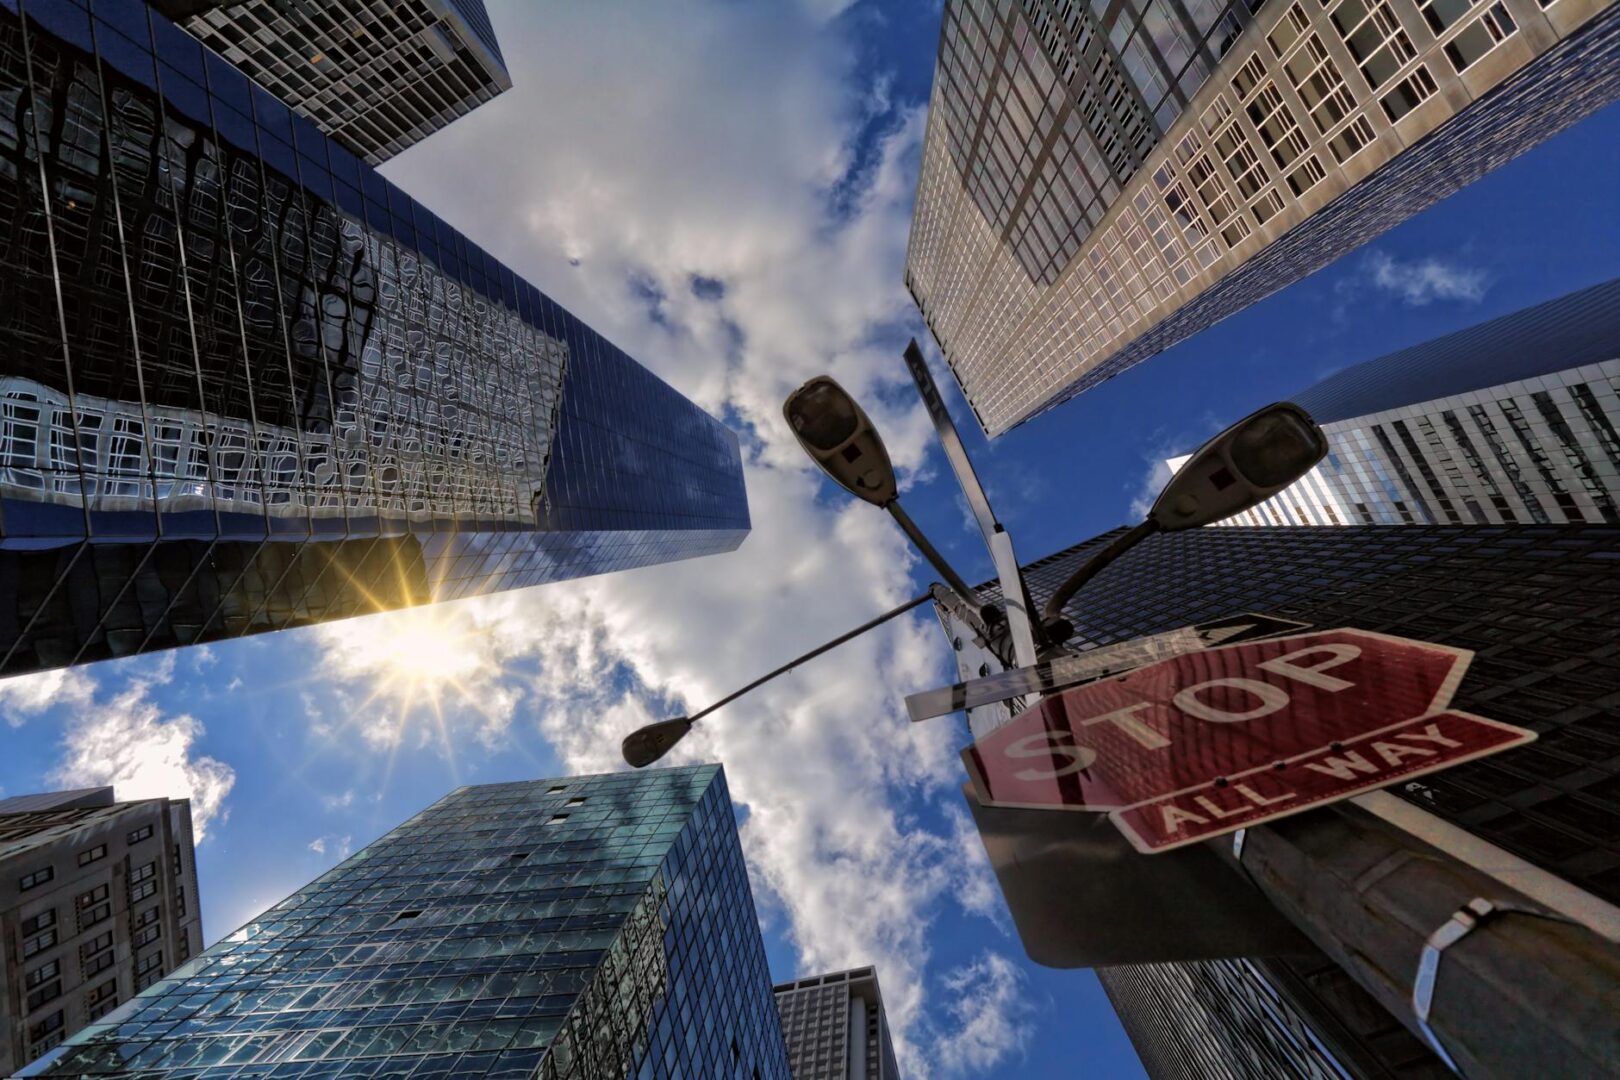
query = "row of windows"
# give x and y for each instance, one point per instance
(89, 855)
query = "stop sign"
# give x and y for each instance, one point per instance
(1212, 741)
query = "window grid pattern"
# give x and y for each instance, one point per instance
(624, 939)
(825, 1018)
(1355, 67)
(1540, 450)
(78, 930)
(276, 389)
(378, 75)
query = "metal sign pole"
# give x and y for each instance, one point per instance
(1019, 613)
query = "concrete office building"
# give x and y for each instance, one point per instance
(836, 1028)
(98, 900)
(375, 75)
(1513, 420)
(1079, 211)
(1539, 603)
(246, 383)
(580, 928)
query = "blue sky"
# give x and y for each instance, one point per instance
(767, 152)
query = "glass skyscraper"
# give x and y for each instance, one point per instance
(1516, 419)
(1102, 180)
(585, 927)
(246, 383)
(1540, 606)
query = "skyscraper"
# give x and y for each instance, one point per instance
(377, 76)
(98, 899)
(1512, 420)
(246, 383)
(583, 927)
(836, 1028)
(1099, 182)
(1540, 605)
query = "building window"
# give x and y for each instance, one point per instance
(1484, 34)
(90, 855)
(101, 941)
(46, 971)
(101, 1000)
(1409, 93)
(93, 906)
(1442, 15)
(36, 879)
(49, 992)
(39, 932)
(142, 833)
(38, 943)
(46, 1034)
(148, 970)
(147, 935)
(142, 882)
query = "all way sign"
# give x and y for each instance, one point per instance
(1207, 742)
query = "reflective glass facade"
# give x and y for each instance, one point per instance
(1517, 419)
(584, 927)
(1321, 126)
(246, 383)
(377, 75)
(1539, 605)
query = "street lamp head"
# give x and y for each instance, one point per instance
(1241, 467)
(837, 435)
(646, 745)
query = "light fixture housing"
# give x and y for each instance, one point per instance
(1241, 467)
(837, 434)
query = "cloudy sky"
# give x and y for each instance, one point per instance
(724, 190)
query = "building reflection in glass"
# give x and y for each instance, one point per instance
(246, 383)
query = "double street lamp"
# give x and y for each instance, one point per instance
(1236, 470)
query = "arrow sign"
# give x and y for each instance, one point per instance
(1065, 671)
(1208, 742)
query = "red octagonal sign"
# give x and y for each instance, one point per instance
(1212, 741)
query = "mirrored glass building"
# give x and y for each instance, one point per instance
(1516, 419)
(1100, 181)
(582, 928)
(246, 383)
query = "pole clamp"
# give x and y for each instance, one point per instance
(1463, 921)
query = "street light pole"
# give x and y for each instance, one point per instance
(647, 744)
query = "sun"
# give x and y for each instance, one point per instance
(423, 648)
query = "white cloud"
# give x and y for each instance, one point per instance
(338, 802)
(726, 158)
(990, 1017)
(1420, 282)
(338, 846)
(128, 742)
(23, 696)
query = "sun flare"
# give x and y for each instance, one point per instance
(418, 649)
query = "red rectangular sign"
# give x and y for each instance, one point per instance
(1424, 745)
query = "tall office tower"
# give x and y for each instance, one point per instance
(1089, 197)
(1541, 606)
(98, 899)
(1516, 419)
(376, 75)
(246, 383)
(587, 927)
(836, 1028)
